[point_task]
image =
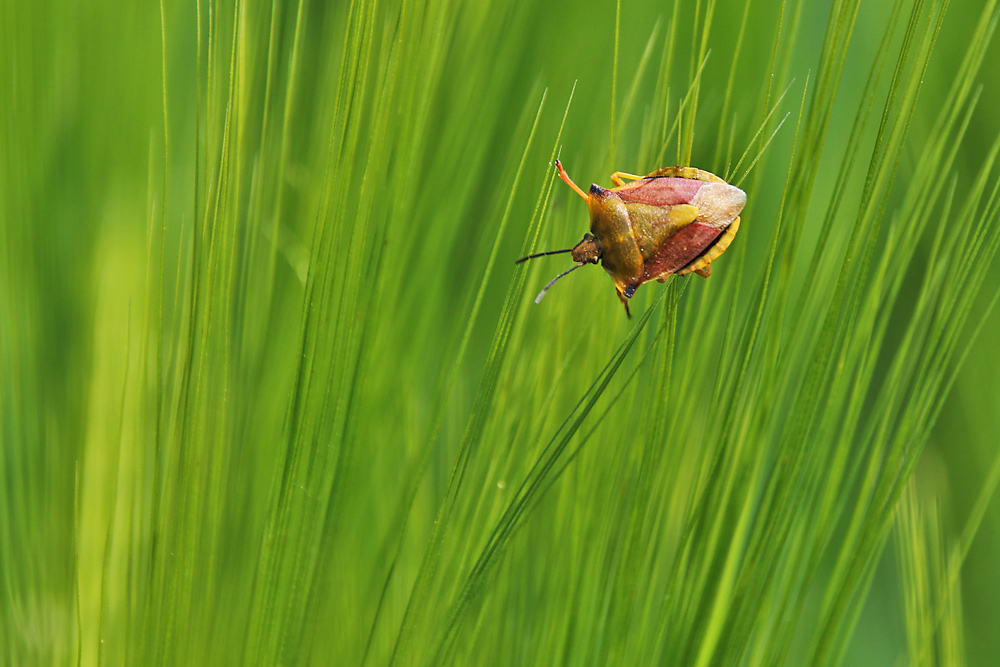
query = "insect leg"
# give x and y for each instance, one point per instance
(618, 178)
(624, 303)
(569, 181)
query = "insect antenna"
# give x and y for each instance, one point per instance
(543, 254)
(553, 281)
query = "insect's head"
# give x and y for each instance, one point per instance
(587, 251)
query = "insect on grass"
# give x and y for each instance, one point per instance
(676, 220)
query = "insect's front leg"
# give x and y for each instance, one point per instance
(621, 297)
(618, 178)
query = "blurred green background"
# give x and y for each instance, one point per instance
(272, 390)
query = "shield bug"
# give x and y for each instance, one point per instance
(674, 220)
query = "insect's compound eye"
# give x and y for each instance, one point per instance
(629, 291)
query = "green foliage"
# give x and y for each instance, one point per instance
(272, 390)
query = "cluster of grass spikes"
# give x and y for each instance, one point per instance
(273, 391)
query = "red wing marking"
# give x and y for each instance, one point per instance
(659, 191)
(679, 250)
